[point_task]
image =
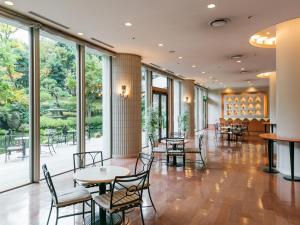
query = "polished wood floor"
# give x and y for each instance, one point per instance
(232, 190)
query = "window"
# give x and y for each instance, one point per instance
(144, 106)
(57, 102)
(94, 102)
(159, 81)
(14, 105)
(177, 105)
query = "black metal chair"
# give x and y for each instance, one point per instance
(154, 149)
(87, 159)
(14, 143)
(119, 200)
(143, 164)
(49, 142)
(197, 151)
(177, 135)
(68, 198)
(175, 147)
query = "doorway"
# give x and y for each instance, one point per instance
(160, 104)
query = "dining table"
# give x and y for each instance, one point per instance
(101, 176)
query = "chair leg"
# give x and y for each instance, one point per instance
(202, 158)
(83, 210)
(57, 215)
(50, 212)
(123, 217)
(151, 200)
(111, 219)
(142, 215)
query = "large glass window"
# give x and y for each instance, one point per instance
(177, 105)
(159, 81)
(58, 102)
(14, 105)
(94, 103)
(144, 106)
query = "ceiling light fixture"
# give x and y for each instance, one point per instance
(194, 66)
(242, 68)
(211, 6)
(10, 3)
(128, 24)
(219, 22)
(160, 45)
(180, 57)
(239, 61)
(203, 72)
(264, 75)
(80, 33)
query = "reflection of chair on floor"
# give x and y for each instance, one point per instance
(49, 142)
(14, 143)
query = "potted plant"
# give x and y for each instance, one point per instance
(152, 123)
(185, 123)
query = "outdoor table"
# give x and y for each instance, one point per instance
(272, 125)
(101, 176)
(174, 142)
(274, 137)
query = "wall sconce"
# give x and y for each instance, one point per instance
(186, 99)
(123, 91)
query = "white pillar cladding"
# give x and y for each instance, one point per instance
(272, 97)
(126, 111)
(288, 91)
(188, 95)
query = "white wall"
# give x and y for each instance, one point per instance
(214, 106)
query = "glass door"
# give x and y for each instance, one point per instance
(160, 103)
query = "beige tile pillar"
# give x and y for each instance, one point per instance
(188, 95)
(126, 110)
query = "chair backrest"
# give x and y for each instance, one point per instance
(50, 183)
(151, 140)
(14, 140)
(176, 135)
(125, 189)
(86, 159)
(143, 163)
(175, 144)
(201, 136)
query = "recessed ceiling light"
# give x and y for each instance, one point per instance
(10, 3)
(194, 66)
(239, 61)
(242, 68)
(211, 6)
(210, 77)
(80, 33)
(160, 45)
(180, 57)
(128, 24)
(203, 72)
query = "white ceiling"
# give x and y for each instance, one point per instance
(182, 26)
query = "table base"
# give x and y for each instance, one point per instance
(117, 220)
(289, 178)
(268, 170)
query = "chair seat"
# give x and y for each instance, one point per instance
(73, 196)
(15, 148)
(122, 198)
(174, 152)
(158, 150)
(139, 187)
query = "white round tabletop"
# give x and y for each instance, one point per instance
(103, 174)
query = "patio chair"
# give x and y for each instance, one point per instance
(175, 147)
(198, 151)
(128, 197)
(143, 164)
(14, 143)
(69, 197)
(177, 135)
(49, 142)
(87, 159)
(154, 149)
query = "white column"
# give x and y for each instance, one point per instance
(272, 97)
(126, 111)
(188, 95)
(288, 91)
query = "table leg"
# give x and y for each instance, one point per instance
(269, 169)
(292, 152)
(272, 128)
(265, 128)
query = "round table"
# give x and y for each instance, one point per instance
(101, 176)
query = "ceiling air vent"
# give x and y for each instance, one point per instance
(49, 20)
(102, 43)
(236, 57)
(219, 22)
(244, 71)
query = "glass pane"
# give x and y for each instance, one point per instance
(159, 81)
(14, 106)
(58, 102)
(93, 98)
(177, 100)
(155, 105)
(164, 116)
(144, 105)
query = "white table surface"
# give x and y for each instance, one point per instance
(171, 140)
(103, 174)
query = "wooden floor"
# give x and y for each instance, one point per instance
(232, 190)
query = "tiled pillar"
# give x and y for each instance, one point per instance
(288, 94)
(126, 110)
(188, 95)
